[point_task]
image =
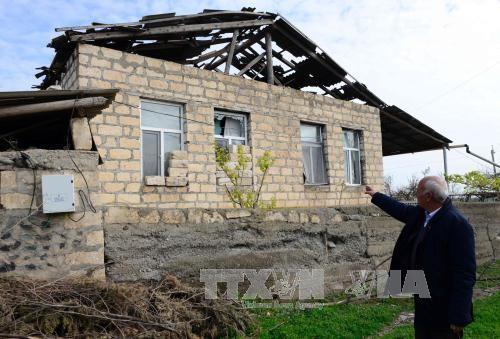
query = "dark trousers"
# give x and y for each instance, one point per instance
(428, 333)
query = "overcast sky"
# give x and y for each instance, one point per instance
(438, 60)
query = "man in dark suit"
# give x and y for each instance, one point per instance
(437, 239)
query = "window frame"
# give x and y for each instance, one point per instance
(162, 132)
(315, 144)
(230, 139)
(347, 162)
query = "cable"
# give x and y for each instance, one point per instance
(84, 198)
(29, 162)
(458, 86)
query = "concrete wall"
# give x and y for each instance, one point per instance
(144, 243)
(274, 115)
(49, 246)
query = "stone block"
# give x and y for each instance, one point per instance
(173, 217)
(179, 155)
(176, 181)
(212, 218)
(195, 216)
(95, 238)
(121, 215)
(85, 258)
(8, 181)
(238, 213)
(315, 219)
(178, 163)
(80, 134)
(293, 217)
(15, 200)
(274, 216)
(177, 172)
(90, 219)
(155, 180)
(150, 217)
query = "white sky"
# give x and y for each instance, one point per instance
(438, 60)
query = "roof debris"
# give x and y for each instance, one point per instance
(254, 45)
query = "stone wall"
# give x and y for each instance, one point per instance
(49, 246)
(274, 116)
(144, 243)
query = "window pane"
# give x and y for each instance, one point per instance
(347, 168)
(219, 126)
(310, 133)
(151, 153)
(306, 152)
(159, 115)
(171, 142)
(355, 168)
(351, 139)
(237, 142)
(319, 171)
(222, 142)
(234, 127)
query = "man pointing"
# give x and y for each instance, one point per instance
(437, 239)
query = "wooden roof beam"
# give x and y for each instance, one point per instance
(166, 20)
(251, 64)
(242, 46)
(155, 31)
(230, 54)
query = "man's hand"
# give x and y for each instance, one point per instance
(456, 329)
(370, 191)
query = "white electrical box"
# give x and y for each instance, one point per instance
(58, 192)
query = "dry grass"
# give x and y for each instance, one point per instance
(89, 308)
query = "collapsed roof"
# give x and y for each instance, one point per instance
(41, 118)
(255, 45)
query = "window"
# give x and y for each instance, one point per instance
(230, 128)
(352, 168)
(161, 129)
(311, 137)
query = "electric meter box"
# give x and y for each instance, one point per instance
(58, 193)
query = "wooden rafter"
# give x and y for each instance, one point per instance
(230, 54)
(155, 31)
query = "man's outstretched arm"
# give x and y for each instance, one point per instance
(392, 207)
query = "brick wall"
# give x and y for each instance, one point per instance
(49, 246)
(274, 117)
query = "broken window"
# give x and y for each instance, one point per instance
(230, 129)
(352, 157)
(311, 137)
(161, 130)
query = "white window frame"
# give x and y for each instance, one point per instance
(316, 144)
(162, 132)
(230, 139)
(348, 161)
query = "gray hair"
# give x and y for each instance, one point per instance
(438, 187)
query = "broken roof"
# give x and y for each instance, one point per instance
(255, 45)
(41, 118)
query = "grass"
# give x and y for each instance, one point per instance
(486, 324)
(369, 318)
(337, 321)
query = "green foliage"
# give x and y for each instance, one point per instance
(476, 182)
(337, 321)
(240, 195)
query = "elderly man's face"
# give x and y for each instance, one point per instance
(423, 199)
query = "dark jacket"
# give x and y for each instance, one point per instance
(447, 256)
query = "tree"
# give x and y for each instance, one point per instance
(239, 194)
(477, 183)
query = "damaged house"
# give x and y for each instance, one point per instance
(135, 120)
